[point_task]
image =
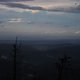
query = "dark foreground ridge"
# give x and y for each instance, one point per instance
(59, 61)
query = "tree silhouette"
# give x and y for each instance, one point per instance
(15, 51)
(63, 62)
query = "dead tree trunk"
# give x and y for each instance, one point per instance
(14, 59)
(63, 61)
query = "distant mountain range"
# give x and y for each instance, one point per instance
(57, 41)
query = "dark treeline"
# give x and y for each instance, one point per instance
(39, 62)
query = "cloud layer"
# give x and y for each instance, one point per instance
(22, 6)
(14, 0)
(67, 8)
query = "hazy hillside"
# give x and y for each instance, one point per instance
(39, 60)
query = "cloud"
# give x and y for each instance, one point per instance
(77, 32)
(20, 7)
(17, 5)
(19, 20)
(14, 0)
(15, 20)
(71, 9)
(59, 8)
(12, 20)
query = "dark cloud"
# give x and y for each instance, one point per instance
(74, 9)
(14, 0)
(16, 5)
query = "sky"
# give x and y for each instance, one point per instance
(39, 19)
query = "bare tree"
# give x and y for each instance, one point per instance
(61, 65)
(15, 51)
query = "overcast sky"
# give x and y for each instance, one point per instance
(39, 19)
